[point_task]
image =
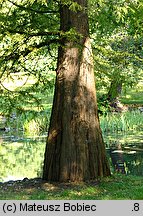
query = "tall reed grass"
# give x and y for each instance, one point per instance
(114, 122)
(29, 122)
(38, 122)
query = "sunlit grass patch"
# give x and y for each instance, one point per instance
(133, 95)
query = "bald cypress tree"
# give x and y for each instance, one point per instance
(75, 149)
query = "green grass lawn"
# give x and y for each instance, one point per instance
(134, 95)
(116, 187)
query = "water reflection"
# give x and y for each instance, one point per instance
(22, 156)
(125, 152)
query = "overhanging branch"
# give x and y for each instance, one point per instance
(16, 55)
(33, 10)
(32, 34)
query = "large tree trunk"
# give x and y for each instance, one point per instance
(75, 150)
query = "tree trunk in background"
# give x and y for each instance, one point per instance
(75, 150)
(115, 90)
(114, 93)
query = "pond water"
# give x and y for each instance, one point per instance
(22, 156)
(125, 152)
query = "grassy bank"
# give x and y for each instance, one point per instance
(117, 187)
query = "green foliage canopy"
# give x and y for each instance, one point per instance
(30, 35)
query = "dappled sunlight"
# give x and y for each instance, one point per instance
(87, 79)
(17, 81)
(128, 96)
(114, 187)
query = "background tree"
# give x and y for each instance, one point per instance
(117, 46)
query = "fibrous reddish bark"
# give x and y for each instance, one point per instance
(75, 150)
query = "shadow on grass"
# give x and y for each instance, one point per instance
(117, 187)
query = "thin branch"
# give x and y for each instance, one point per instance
(5, 87)
(33, 34)
(33, 10)
(16, 55)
